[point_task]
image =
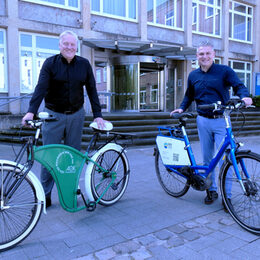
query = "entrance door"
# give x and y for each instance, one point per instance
(150, 81)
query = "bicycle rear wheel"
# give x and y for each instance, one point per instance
(174, 184)
(103, 189)
(244, 207)
(20, 213)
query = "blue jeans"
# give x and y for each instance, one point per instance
(211, 133)
(68, 128)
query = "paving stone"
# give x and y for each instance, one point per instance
(163, 234)
(229, 244)
(177, 229)
(141, 254)
(191, 224)
(105, 253)
(226, 221)
(175, 241)
(146, 240)
(127, 247)
(87, 257)
(203, 230)
(190, 235)
(185, 253)
(162, 253)
(202, 220)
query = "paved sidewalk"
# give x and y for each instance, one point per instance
(145, 224)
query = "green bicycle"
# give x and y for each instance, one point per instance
(22, 198)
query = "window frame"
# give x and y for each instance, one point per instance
(155, 23)
(196, 9)
(34, 50)
(246, 16)
(245, 71)
(126, 18)
(65, 6)
(5, 88)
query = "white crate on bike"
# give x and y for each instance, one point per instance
(172, 151)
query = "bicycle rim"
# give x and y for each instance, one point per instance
(174, 184)
(244, 208)
(101, 183)
(22, 211)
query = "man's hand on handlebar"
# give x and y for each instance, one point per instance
(179, 110)
(248, 101)
(28, 116)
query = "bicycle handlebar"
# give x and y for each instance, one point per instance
(233, 104)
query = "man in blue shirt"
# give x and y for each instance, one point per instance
(206, 85)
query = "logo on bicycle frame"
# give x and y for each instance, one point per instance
(167, 145)
(65, 162)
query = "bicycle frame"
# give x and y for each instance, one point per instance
(65, 165)
(204, 170)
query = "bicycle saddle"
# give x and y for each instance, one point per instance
(108, 126)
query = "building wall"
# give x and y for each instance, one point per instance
(20, 16)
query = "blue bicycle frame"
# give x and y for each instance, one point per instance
(203, 170)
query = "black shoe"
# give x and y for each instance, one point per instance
(48, 202)
(224, 206)
(211, 197)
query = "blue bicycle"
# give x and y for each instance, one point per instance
(239, 177)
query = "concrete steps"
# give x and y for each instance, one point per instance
(143, 126)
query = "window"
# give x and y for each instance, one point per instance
(240, 22)
(243, 70)
(66, 4)
(34, 49)
(195, 64)
(117, 8)
(105, 74)
(206, 17)
(98, 75)
(154, 94)
(3, 66)
(167, 13)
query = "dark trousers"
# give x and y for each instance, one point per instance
(67, 128)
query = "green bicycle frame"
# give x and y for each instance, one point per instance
(65, 164)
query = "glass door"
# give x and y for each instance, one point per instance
(150, 86)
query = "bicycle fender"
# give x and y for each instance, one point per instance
(91, 165)
(35, 181)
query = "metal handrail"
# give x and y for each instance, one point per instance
(14, 99)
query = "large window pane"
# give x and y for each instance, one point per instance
(206, 17)
(34, 50)
(121, 8)
(115, 7)
(3, 63)
(47, 43)
(73, 4)
(240, 22)
(26, 71)
(95, 5)
(165, 12)
(26, 40)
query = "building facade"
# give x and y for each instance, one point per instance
(141, 50)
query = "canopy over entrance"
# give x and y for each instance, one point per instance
(168, 51)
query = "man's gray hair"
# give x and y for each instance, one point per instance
(205, 44)
(68, 33)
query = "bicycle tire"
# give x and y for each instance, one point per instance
(174, 184)
(244, 208)
(100, 180)
(23, 214)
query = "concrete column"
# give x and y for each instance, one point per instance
(188, 23)
(13, 71)
(142, 19)
(225, 32)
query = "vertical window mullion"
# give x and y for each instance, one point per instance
(154, 11)
(101, 7)
(126, 8)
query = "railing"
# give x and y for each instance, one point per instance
(105, 100)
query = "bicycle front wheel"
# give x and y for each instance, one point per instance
(244, 206)
(20, 213)
(174, 184)
(106, 190)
